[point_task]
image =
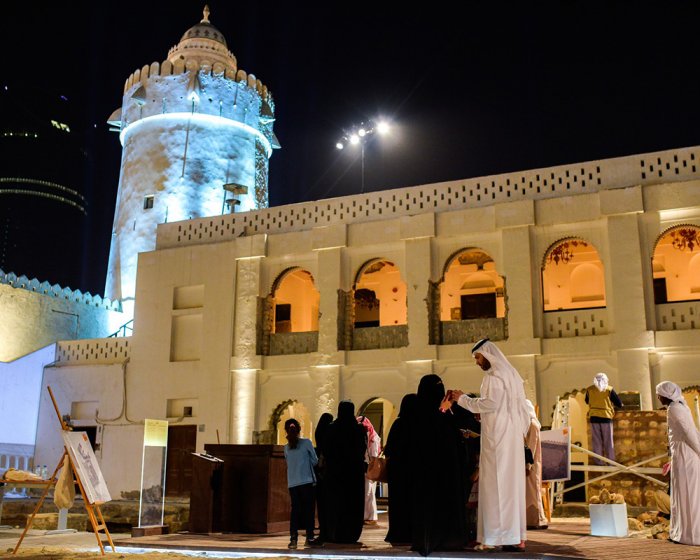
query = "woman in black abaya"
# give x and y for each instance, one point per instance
(344, 449)
(320, 434)
(437, 474)
(397, 452)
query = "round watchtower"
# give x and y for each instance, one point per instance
(196, 135)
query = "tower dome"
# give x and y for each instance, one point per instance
(204, 30)
(202, 42)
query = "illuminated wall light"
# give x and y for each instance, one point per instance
(244, 389)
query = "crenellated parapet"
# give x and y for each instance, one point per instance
(215, 69)
(191, 86)
(56, 291)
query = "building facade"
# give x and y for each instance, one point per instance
(241, 318)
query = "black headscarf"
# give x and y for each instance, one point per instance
(431, 391)
(322, 428)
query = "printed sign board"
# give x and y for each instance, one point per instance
(556, 454)
(83, 458)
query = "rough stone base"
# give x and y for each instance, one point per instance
(120, 515)
(49, 521)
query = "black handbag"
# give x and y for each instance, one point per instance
(529, 457)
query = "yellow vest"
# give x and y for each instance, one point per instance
(600, 403)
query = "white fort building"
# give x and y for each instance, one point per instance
(243, 318)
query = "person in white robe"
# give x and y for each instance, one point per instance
(536, 518)
(501, 519)
(373, 450)
(684, 445)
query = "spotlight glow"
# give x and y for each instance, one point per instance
(361, 132)
(339, 145)
(354, 139)
(383, 127)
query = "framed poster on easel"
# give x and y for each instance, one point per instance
(556, 454)
(83, 457)
(79, 457)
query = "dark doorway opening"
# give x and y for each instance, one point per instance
(182, 442)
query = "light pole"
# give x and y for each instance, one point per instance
(359, 135)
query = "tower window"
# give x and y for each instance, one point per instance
(148, 201)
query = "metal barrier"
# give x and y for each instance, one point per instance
(557, 491)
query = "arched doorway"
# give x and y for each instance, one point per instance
(382, 413)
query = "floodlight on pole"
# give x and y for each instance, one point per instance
(360, 134)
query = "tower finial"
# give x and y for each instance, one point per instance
(206, 13)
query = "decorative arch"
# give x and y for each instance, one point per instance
(478, 260)
(284, 410)
(295, 301)
(470, 287)
(278, 279)
(369, 266)
(379, 295)
(675, 264)
(687, 231)
(573, 276)
(291, 408)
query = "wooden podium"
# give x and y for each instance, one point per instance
(251, 495)
(205, 494)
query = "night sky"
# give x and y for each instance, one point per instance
(501, 87)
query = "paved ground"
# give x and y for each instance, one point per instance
(566, 538)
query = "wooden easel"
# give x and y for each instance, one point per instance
(93, 509)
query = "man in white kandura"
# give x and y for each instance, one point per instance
(501, 520)
(684, 444)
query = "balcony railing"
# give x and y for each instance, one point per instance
(576, 322)
(678, 316)
(293, 343)
(372, 338)
(471, 330)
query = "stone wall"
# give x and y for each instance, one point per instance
(35, 315)
(637, 435)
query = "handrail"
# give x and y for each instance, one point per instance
(614, 469)
(123, 329)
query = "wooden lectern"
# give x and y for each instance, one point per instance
(205, 494)
(252, 494)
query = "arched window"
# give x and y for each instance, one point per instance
(296, 302)
(380, 296)
(676, 264)
(471, 288)
(573, 276)
(469, 298)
